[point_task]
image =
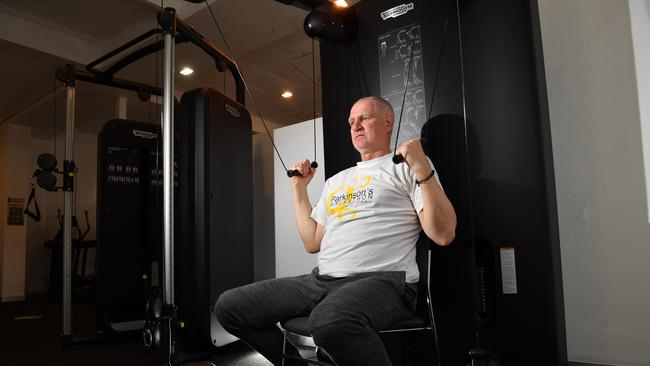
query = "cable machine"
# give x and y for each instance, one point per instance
(505, 202)
(162, 313)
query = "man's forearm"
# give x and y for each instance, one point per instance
(305, 224)
(438, 216)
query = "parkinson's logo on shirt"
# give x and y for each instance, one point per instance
(339, 200)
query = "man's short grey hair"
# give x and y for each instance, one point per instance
(381, 105)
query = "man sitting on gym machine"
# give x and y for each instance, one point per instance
(364, 229)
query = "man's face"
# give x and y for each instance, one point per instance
(370, 129)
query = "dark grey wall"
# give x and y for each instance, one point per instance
(514, 193)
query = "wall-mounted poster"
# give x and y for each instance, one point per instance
(15, 207)
(397, 66)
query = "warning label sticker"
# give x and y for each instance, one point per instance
(508, 270)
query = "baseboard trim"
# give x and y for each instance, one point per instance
(586, 364)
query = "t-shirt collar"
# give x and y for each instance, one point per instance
(367, 163)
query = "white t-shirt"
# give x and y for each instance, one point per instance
(369, 213)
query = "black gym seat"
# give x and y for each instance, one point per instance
(296, 330)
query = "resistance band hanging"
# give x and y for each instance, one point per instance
(32, 198)
(290, 173)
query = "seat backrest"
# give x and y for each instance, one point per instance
(423, 253)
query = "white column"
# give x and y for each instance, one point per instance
(120, 107)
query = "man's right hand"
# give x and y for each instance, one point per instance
(310, 232)
(306, 172)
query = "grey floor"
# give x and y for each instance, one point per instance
(30, 335)
(245, 358)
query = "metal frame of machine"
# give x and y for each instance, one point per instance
(174, 32)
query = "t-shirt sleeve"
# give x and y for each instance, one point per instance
(416, 191)
(319, 212)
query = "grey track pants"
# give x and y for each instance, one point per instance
(344, 313)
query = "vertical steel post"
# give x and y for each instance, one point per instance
(67, 215)
(168, 178)
(168, 167)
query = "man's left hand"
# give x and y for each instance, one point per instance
(414, 156)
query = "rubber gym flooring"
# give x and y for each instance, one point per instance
(30, 335)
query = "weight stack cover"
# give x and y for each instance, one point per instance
(214, 238)
(129, 213)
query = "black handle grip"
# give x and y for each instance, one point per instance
(397, 158)
(296, 173)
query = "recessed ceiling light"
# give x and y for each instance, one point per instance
(186, 71)
(287, 94)
(341, 3)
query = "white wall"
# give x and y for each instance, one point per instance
(601, 189)
(13, 178)
(263, 220)
(38, 257)
(295, 143)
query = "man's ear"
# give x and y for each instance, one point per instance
(389, 122)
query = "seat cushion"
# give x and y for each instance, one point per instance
(298, 326)
(301, 325)
(408, 323)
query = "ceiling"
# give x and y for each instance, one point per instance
(37, 37)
